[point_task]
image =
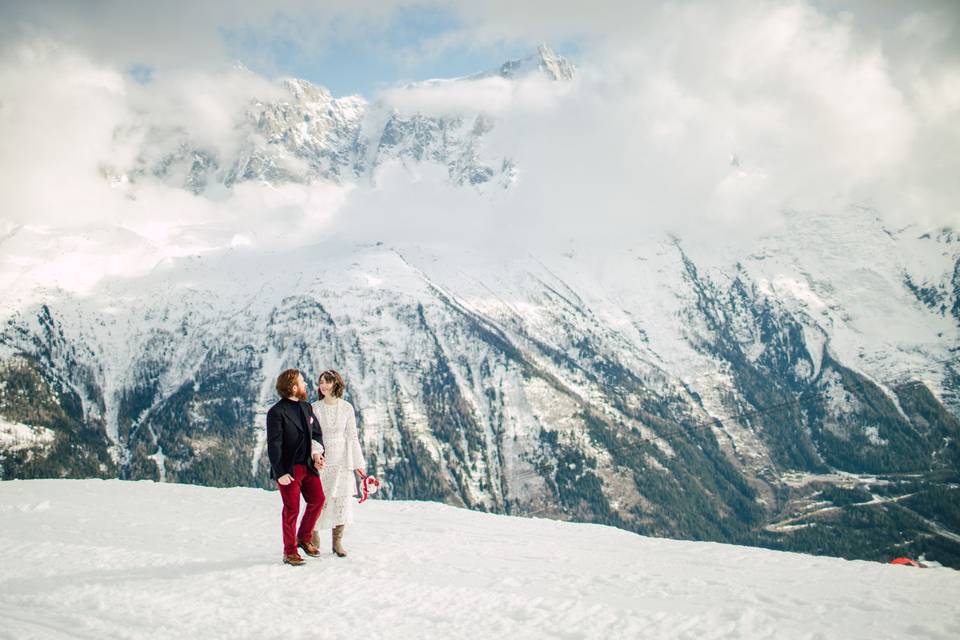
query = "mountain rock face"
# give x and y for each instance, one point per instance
(802, 395)
(545, 62)
(312, 135)
(673, 399)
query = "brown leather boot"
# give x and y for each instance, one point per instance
(337, 539)
(309, 548)
(293, 559)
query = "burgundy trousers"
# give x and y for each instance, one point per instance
(309, 485)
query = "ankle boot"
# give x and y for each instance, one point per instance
(337, 539)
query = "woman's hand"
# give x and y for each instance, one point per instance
(318, 461)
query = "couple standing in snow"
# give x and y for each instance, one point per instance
(314, 450)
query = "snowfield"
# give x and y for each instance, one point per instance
(113, 559)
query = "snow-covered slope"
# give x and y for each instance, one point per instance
(95, 559)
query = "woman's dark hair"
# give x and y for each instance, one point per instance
(287, 382)
(331, 375)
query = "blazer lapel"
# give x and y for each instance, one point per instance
(304, 419)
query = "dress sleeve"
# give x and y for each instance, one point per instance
(316, 435)
(353, 439)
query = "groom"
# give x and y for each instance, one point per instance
(290, 427)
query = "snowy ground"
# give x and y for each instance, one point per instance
(111, 559)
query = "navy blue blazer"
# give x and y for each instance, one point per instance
(286, 435)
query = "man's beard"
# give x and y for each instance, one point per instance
(301, 394)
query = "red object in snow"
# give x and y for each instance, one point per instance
(368, 485)
(906, 561)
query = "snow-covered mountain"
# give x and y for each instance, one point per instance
(799, 395)
(545, 61)
(138, 559)
(311, 135)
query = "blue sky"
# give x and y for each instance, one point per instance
(348, 46)
(373, 56)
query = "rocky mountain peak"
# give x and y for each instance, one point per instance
(545, 61)
(306, 91)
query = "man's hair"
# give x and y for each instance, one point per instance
(331, 375)
(287, 382)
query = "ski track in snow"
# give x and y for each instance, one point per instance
(111, 559)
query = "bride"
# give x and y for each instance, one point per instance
(343, 457)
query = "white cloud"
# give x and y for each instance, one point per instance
(491, 95)
(820, 107)
(72, 127)
(810, 102)
(203, 35)
(205, 107)
(58, 113)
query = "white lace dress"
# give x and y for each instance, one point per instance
(342, 454)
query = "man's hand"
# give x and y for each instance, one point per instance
(318, 461)
(285, 479)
